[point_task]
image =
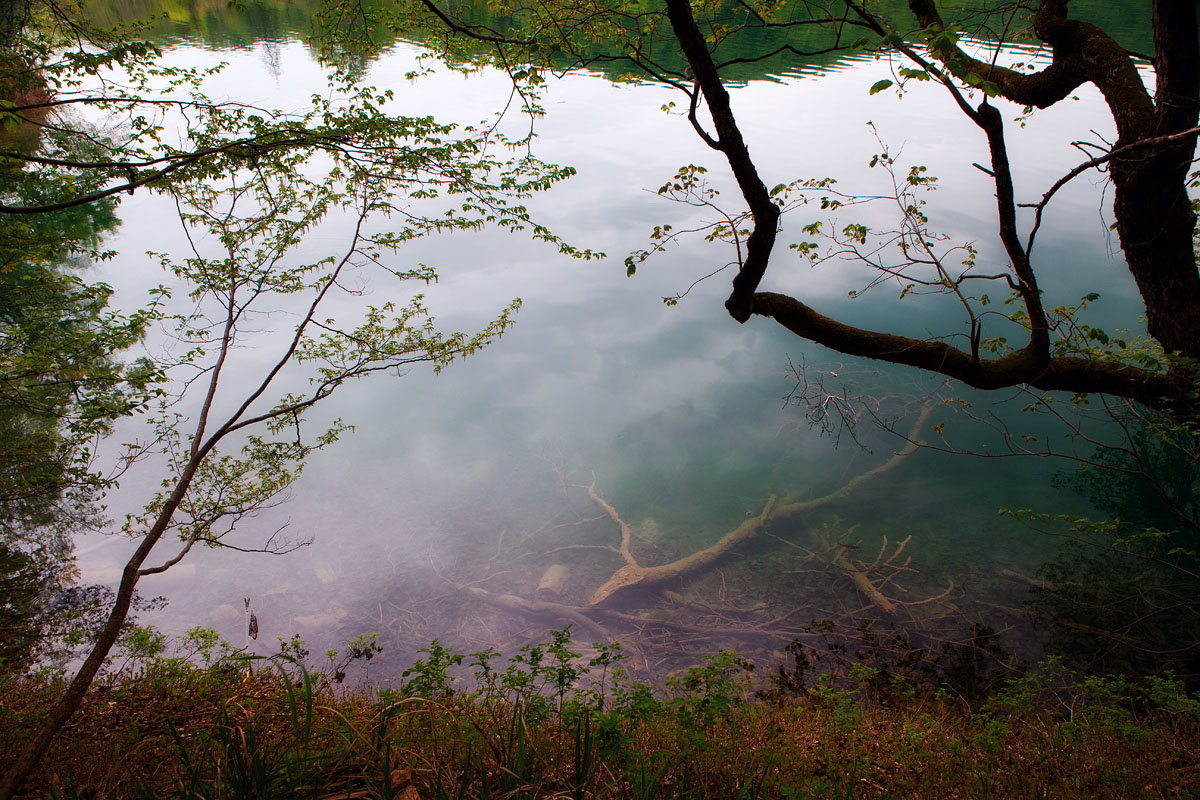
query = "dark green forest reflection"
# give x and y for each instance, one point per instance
(1122, 595)
(216, 23)
(799, 48)
(62, 387)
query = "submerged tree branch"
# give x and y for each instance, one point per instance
(633, 576)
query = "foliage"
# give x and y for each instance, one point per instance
(1121, 595)
(63, 388)
(881, 662)
(1150, 483)
(282, 730)
(1114, 602)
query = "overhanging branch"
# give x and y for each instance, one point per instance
(1063, 373)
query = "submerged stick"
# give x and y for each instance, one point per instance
(1017, 577)
(626, 533)
(863, 582)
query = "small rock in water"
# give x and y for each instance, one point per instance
(322, 620)
(553, 582)
(225, 615)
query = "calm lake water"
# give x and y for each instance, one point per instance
(680, 416)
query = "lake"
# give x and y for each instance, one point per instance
(680, 419)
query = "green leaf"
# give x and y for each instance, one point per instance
(879, 86)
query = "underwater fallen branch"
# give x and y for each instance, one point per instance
(584, 617)
(1017, 577)
(870, 579)
(604, 619)
(634, 576)
(862, 581)
(541, 608)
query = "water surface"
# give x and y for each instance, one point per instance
(677, 414)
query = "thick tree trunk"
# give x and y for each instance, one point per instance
(1156, 225)
(1154, 216)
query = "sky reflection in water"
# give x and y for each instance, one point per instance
(677, 413)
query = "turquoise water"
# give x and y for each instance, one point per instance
(680, 415)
